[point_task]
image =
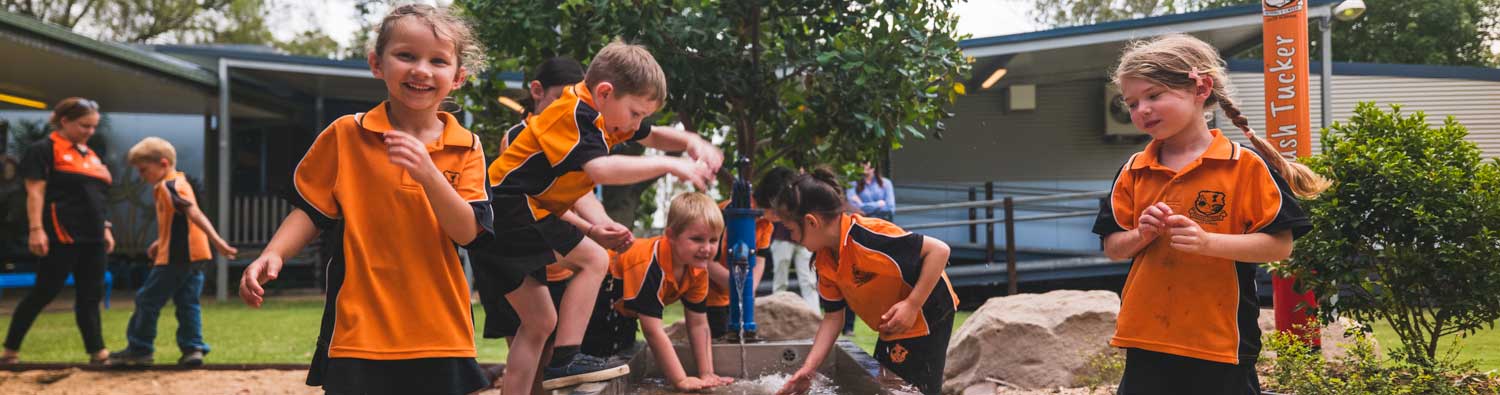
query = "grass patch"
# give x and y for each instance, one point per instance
(284, 331)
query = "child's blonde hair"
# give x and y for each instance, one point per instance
(152, 150)
(694, 208)
(1176, 61)
(443, 23)
(631, 69)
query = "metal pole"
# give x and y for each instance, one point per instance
(989, 228)
(1326, 98)
(973, 215)
(221, 265)
(1010, 245)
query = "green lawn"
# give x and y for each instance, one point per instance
(284, 332)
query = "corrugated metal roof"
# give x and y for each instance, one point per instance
(125, 54)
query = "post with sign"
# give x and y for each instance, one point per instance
(1288, 129)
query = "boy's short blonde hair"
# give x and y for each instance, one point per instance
(152, 150)
(693, 207)
(631, 69)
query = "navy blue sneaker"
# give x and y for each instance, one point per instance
(583, 368)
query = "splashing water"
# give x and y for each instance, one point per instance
(764, 385)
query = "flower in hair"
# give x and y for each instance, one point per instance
(1193, 74)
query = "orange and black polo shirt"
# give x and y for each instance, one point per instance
(76, 204)
(396, 286)
(652, 281)
(1186, 304)
(178, 241)
(718, 294)
(555, 272)
(545, 160)
(876, 266)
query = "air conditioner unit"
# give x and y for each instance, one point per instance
(1117, 114)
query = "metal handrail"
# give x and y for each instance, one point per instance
(999, 202)
(1024, 218)
(1009, 203)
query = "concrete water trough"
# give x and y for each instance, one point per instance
(847, 370)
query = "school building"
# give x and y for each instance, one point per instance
(1046, 128)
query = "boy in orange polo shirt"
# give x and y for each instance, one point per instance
(657, 271)
(556, 160)
(180, 254)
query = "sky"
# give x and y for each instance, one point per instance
(979, 18)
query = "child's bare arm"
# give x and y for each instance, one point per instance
(718, 274)
(698, 336)
(295, 232)
(453, 213)
(1150, 225)
(672, 140)
(1256, 247)
(902, 316)
(195, 215)
(661, 346)
(624, 170)
(828, 333)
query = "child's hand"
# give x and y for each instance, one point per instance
(1153, 221)
(693, 171)
(899, 318)
(151, 249)
(798, 384)
(1187, 236)
(689, 384)
(264, 269)
(227, 250)
(713, 380)
(404, 150)
(611, 235)
(706, 153)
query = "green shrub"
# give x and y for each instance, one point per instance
(1299, 369)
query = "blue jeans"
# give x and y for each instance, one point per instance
(180, 283)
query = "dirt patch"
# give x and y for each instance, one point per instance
(230, 382)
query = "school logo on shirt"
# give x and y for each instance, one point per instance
(1209, 208)
(898, 354)
(452, 177)
(861, 277)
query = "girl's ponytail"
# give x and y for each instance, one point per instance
(1304, 182)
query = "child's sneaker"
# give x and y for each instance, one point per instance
(191, 358)
(131, 358)
(583, 368)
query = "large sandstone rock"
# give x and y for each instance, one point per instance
(1031, 340)
(1335, 343)
(785, 316)
(779, 316)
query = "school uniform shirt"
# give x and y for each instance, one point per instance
(719, 296)
(177, 240)
(76, 203)
(555, 272)
(877, 265)
(652, 281)
(1186, 304)
(545, 160)
(401, 293)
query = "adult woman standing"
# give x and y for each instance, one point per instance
(873, 194)
(66, 185)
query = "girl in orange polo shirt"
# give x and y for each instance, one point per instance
(394, 191)
(1195, 212)
(892, 279)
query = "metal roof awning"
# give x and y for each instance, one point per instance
(1082, 51)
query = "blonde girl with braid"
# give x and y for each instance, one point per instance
(1195, 213)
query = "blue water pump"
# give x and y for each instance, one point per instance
(739, 220)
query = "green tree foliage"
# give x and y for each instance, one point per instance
(1445, 32)
(1410, 231)
(800, 81)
